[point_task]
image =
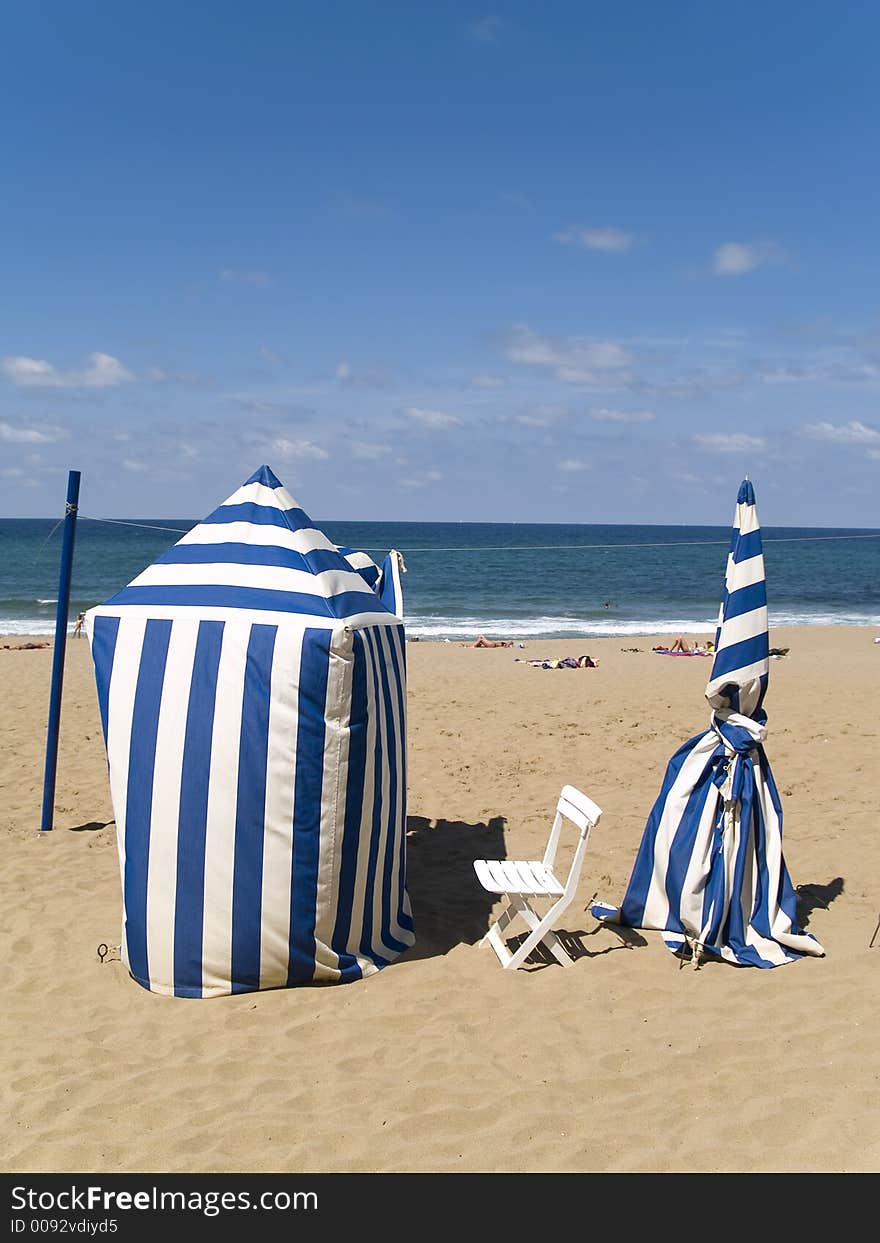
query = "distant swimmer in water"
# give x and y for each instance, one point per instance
(609, 604)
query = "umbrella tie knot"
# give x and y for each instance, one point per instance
(739, 734)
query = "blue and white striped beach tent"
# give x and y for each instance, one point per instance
(252, 692)
(710, 873)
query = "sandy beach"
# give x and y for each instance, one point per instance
(625, 1062)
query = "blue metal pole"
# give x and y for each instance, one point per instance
(60, 647)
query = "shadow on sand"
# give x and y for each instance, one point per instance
(450, 906)
(811, 896)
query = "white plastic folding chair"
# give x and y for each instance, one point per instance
(521, 880)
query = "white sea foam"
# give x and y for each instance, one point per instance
(537, 627)
(30, 625)
(577, 627)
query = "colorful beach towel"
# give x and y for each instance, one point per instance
(564, 662)
(665, 651)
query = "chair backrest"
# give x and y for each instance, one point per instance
(573, 805)
(582, 810)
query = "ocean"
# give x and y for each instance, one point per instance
(504, 580)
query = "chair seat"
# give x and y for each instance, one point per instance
(516, 876)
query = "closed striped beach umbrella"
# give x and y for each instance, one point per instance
(252, 689)
(710, 872)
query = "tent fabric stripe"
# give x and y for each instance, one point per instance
(403, 913)
(144, 730)
(279, 814)
(307, 804)
(106, 630)
(327, 584)
(194, 782)
(372, 924)
(305, 540)
(164, 847)
(232, 553)
(250, 810)
(259, 515)
(349, 966)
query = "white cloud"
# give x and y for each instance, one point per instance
(343, 371)
(735, 442)
(369, 452)
(611, 241)
(135, 466)
(103, 371)
(245, 276)
(602, 415)
(540, 416)
(299, 449)
(735, 258)
(853, 433)
(487, 381)
(419, 480)
(31, 435)
(435, 419)
(874, 455)
(574, 360)
(572, 464)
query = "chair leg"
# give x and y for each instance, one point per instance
(506, 917)
(541, 931)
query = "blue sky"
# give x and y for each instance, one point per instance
(573, 262)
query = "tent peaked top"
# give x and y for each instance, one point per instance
(261, 553)
(266, 476)
(263, 500)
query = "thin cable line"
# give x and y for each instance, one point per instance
(781, 539)
(145, 525)
(794, 539)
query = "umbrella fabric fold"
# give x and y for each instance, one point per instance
(710, 872)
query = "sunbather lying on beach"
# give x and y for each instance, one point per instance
(482, 641)
(565, 662)
(681, 647)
